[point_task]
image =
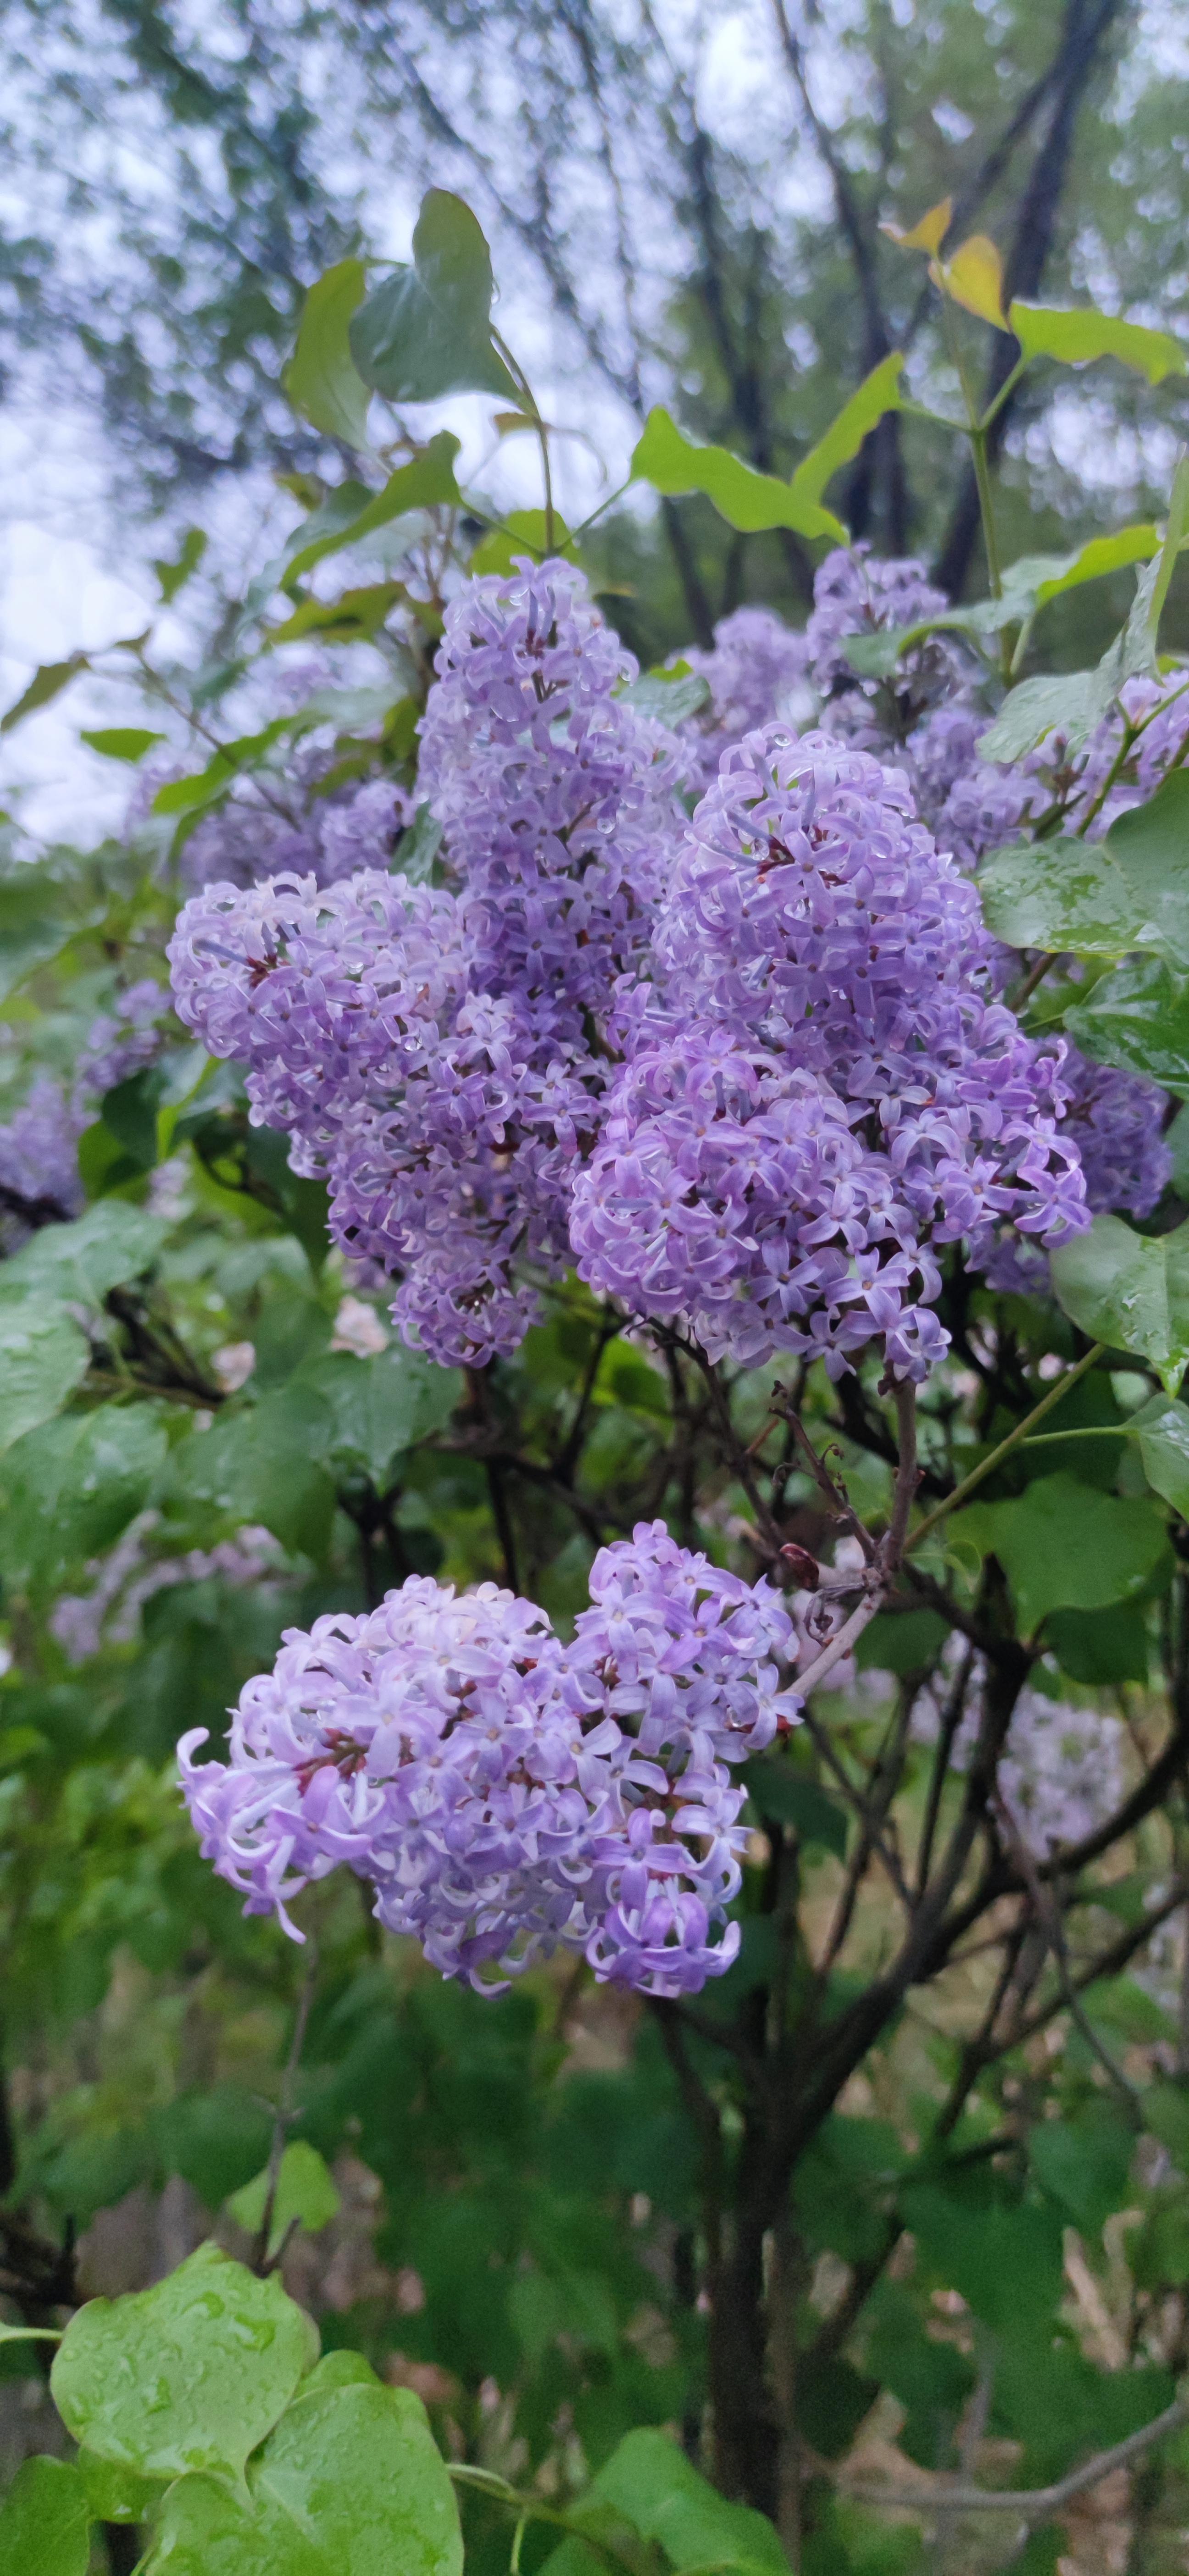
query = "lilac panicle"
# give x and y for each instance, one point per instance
(756, 669)
(505, 1793)
(812, 920)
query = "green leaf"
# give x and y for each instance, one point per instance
(524, 532)
(1077, 337)
(1165, 2110)
(321, 378)
(668, 697)
(44, 2522)
(1150, 846)
(901, 1641)
(425, 483)
(427, 330)
(180, 795)
(1075, 701)
(1070, 703)
(375, 1408)
(652, 2485)
(879, 393)
(129, 1112)
(1039, 578)
(1060, 895)
(70, 1487)
(1099, 899)
(215, 2137)
(188, 2375)
(122, 742)
(350, 2484)
(1130, 1291)
(1003, 2255)
(83, 1260)
(42, 1357)
(790, 1797)
(1066, 1546)
(116, 2494)
(418, 847)
(41, 908)
(355, 617)
(1100, 1647)
(1083, 2164)
(1138, 1018)
(48, 682)
(261, 1464)
(1175, 536)
(306, 2191)
(1162, 1430)
(173, 577)
(674, 464)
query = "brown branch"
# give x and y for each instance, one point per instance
(1031, 2504)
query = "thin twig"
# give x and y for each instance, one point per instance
(1049, 1912)
(262, 2264)
(1004, 1448)
(1032, 2504)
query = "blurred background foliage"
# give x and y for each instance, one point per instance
(690, 202)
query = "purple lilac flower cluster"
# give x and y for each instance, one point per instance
(39, 1176)
(816, 1088)
(829, 1090)
(503, 1792)
(756, 672)
(857, 593)
(1061, 1773)
(440, 1056)
(247, 840)
(129, 1576)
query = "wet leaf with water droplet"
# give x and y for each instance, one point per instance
(188, 2375)
(1130, 1291)
(351, 2480)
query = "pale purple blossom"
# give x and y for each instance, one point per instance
(502, 1792)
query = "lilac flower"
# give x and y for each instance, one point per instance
(1088, 788)
(125, 1040)
(756, 669)
(557, 799)
(39, 1161)
(247, 840)
(434, 1056)
(969, 805)
(811, 917)
(734, 1197)
(122, 1582)
(855, 593)
(503, 1792)
(1061, 1772)
(1117, 1122)
(683, 1658)
(39, 1178)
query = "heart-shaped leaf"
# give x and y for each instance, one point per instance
(350, 2484)
(188, 2375)
(1130, 1291)
(322, 379)
(427, 330)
